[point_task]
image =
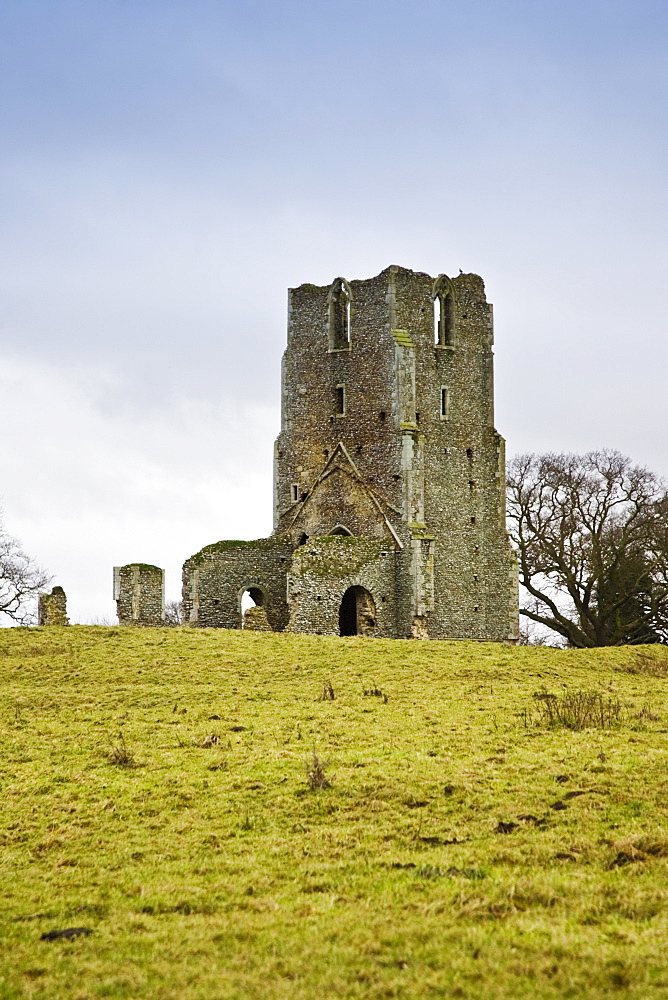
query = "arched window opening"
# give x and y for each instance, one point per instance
(357, 614)
(340, 529)
(339, 315)
(303, 539)
(253, 611)
(444, 313)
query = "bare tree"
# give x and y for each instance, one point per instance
(592, 538)
(20, 579)
(174, 613)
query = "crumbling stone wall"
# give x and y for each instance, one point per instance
(256, 620)
(324, 569)
(139, 592)
(52, 608)
(215, 579)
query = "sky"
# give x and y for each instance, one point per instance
(168, 169)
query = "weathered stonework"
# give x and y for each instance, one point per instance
(52, 608)
(139, 592)
(389, 479)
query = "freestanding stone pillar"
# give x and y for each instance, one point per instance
(139, 592)
(52, 608)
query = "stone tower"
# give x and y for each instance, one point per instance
(389, 483)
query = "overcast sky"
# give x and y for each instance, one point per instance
(169, 168)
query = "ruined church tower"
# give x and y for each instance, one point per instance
(389, 480)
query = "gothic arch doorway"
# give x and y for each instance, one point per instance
(357, 614)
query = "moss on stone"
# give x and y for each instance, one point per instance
(337, 555)
(142, 566)
(228, 544)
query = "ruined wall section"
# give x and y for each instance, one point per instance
(139, 592)
(322, 571)
(52, 608)
(215, 579)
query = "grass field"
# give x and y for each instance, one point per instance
(156, 788)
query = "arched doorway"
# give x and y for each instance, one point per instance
(357, 614)
(253, 612)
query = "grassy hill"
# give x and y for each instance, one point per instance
(160, 787)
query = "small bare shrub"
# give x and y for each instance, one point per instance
(327, 693)
(578, 710)
(120, 755)
(652, 660)
(632, 849)
(375, 692)
(316, 777)
(646, 714)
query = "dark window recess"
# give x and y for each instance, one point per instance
(340, 400)
(475, 607)
(382, 415)
(444, 324)
(472, 483)
(417, 418)
(359, 449)
(444, 403)
(302, 540)
(472, 520)
(340, 314)
(469, 452)
(304, 495)
(295, 492)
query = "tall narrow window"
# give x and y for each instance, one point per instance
(444, 313)
(339, 315)
(445, 402)
(340, 400)
(295, 492)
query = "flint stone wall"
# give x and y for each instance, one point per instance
(323, 569)
(139, 592)
(215, 579)
(52, 608)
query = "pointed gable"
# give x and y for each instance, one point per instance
(340, 487)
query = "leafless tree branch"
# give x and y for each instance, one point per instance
(591, 533)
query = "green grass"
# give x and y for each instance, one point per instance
(155, 788)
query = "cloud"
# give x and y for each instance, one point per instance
(170, 169)
(85, 489)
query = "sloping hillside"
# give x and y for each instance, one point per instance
(160, 787)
